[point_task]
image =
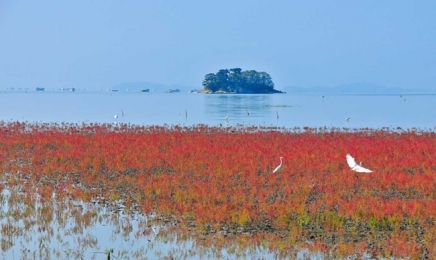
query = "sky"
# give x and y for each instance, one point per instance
(99, 44)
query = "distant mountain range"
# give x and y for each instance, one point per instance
(153, 87)
(355, 88)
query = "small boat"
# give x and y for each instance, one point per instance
(173, 90)
(144, 90)
(40, 89)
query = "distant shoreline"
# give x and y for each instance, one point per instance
(206, 91)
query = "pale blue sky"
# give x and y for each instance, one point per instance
(98, 44)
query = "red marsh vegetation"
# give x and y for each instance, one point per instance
(218, 182)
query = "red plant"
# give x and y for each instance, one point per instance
(220, 178)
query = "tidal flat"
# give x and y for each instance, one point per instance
(133, 192)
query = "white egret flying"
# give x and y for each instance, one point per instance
(354, 166)
(280, 166)
(227, 117)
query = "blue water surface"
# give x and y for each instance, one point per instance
(185, 109)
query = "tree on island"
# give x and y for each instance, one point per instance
(238, 81)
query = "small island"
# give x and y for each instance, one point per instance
(236, 81)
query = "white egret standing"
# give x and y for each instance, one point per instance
(247, 111)
(154, 231)
(354, 166)
(277, 114)
(116, 117)
(280, 166)
(122, 113)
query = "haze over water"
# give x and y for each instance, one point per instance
(299, 43)
(281, 110)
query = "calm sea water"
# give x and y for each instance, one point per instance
(283, 110)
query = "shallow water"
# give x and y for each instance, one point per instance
(77, 230)
(282, 110)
